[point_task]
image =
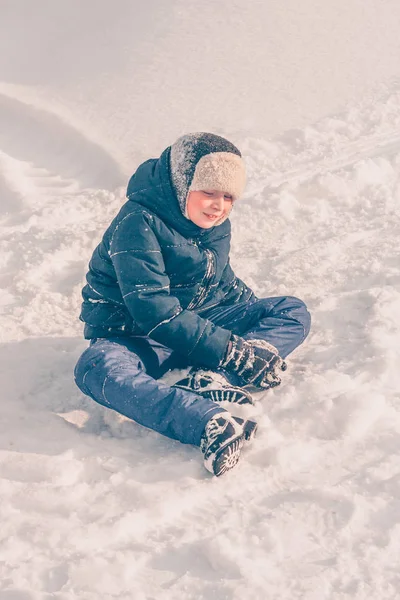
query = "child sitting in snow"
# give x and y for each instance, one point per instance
(161, 294)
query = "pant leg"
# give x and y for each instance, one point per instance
(115, 376)
(282, 321)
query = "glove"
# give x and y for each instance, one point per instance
(256, 361)
(265, 349)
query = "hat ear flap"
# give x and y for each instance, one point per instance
(185, 209)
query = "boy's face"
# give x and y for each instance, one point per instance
(205, 207)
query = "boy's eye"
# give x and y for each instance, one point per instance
(212, 194)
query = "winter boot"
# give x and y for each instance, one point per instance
(214, 386)
(222, 442)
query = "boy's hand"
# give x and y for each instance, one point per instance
(256, 361)
(271, 355)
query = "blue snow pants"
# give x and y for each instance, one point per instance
(123, 374)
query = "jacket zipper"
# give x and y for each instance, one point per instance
(201, 295)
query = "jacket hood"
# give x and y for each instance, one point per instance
(151, 187)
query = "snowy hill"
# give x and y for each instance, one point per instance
(94, 507)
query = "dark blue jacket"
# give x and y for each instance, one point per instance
(156, 273)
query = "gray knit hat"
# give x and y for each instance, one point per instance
(204, 161)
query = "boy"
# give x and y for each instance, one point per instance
(161, 294)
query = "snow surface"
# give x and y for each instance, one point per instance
(94, 507)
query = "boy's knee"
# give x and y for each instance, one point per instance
(99, 360)
(303, 315)
(297, 311)
(87, 361)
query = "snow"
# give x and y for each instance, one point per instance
(94, 506)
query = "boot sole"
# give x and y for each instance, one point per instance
(234, 395)
(228, 457)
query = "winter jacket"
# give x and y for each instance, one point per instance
(155, 273)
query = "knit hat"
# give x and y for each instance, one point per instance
(204, 161)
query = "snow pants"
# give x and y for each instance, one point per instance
(123, 374)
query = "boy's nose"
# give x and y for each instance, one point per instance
(218, 202)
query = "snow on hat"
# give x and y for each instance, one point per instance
(204, 161)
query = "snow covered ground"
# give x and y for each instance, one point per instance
(94, 507)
